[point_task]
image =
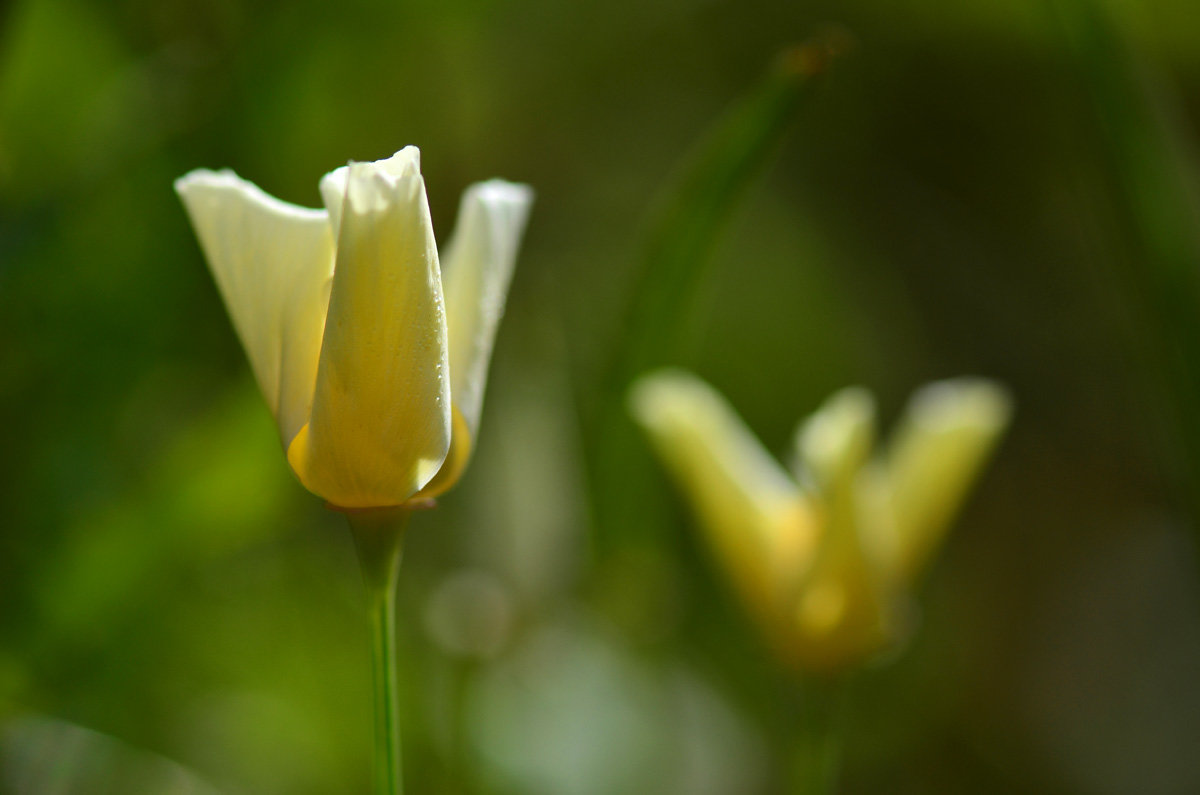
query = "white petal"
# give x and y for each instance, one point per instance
(477, 269)
(273, 263)
(479, 265)
(405, 163)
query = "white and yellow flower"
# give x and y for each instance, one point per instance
(825, 557)
(372, 364)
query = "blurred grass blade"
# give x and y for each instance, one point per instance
(676, 256)
(697, 204)
(1152, 165)
(53, 757)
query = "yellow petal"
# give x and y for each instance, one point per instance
(756, 519)
(835, 441)
(273, 263)
(477, 270)
(842, 610)
(456, 459)
(380, 426)
(942, 442)
(843, 615)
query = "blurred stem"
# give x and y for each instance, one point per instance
(379, 536)
(821, 707)
(1150, 158)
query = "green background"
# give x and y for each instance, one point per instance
(962, 194)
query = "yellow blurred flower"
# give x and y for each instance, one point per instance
(373, 365)
(825, 558)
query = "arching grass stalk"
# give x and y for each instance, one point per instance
(379, 537)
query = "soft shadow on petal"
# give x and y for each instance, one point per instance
(273, 263)
(381, 415)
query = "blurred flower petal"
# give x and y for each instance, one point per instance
(944, 438)
(836, 440)
(756, 518)
(842, 607)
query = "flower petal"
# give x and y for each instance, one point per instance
(842, 612)
(405, 163)
(756, 518)
(835, 441)
(944, 438)
(478, 269)
(380, 426)
(273, 263)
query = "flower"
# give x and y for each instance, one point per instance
(825, 558)
(372, 364)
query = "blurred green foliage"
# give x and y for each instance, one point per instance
(949, 205)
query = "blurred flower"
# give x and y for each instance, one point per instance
(375, 380)
(825, 559)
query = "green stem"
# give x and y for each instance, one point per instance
(817, 746)
(379, 536)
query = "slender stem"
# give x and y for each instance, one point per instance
(379, 536)
(821, 712)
